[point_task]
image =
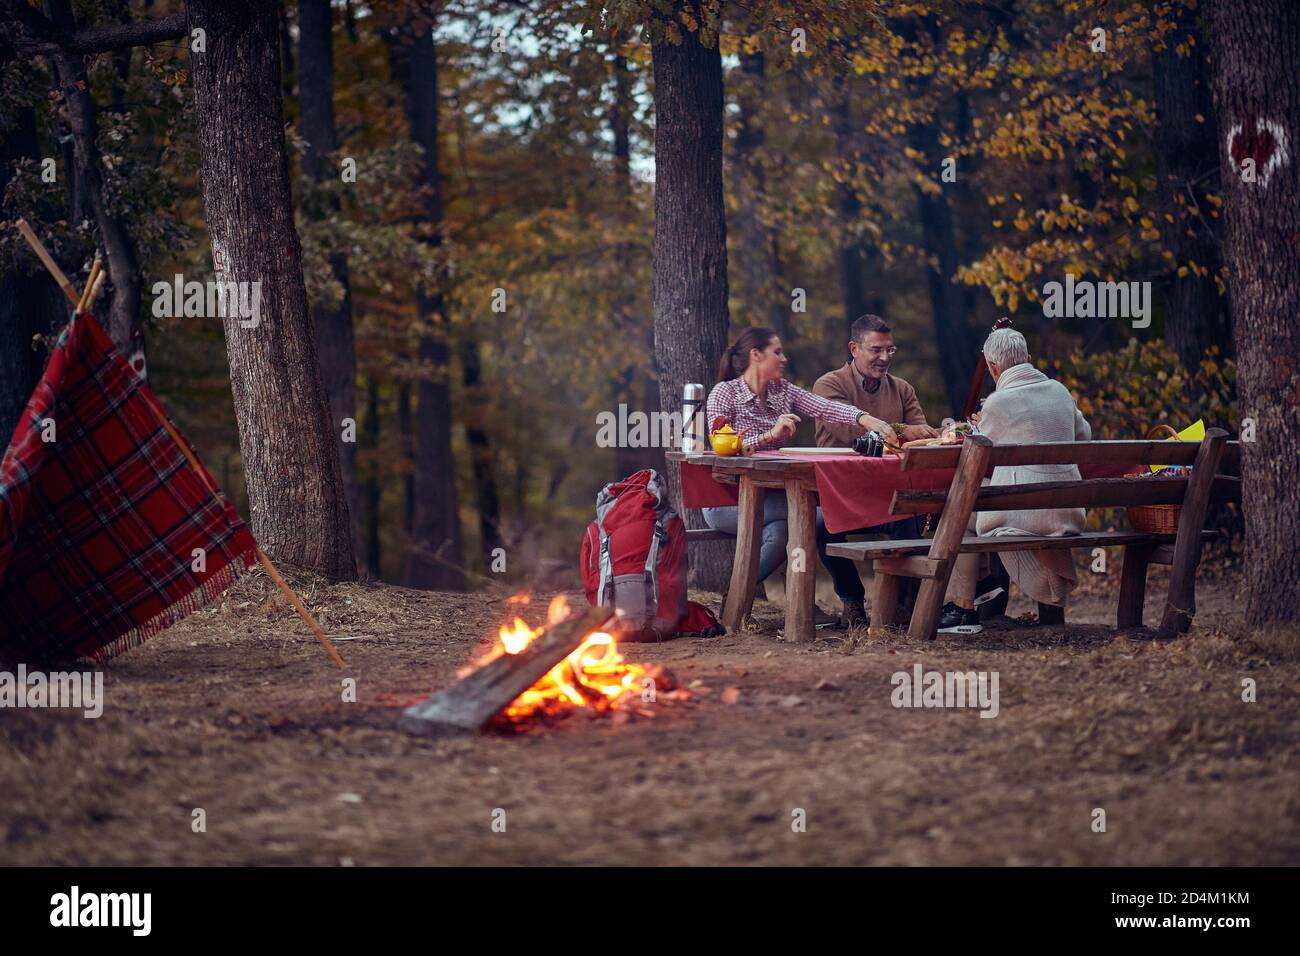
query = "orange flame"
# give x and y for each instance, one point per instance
(595, 675)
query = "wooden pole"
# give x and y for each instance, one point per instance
(92, 282)
(261, 555)
(298, 606)
(95, 289)
(91, 294)
(47, 261)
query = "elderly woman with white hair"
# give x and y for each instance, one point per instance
(1026, 407)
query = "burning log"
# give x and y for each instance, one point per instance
(471, 702)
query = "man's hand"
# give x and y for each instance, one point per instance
(917, 432)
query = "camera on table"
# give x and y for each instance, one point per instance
(872, 445)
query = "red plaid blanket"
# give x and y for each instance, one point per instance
(107, 534)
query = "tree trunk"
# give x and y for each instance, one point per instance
(370, 494)
(627, 461)
(690, 248)
(950, 304)
(1257, 99)
(286, 49)
(406, 439)
(483, 459)
(435, 556)
(1196, 315)
(636, 387)
(30, 303)
(120, 259)
(852, 260)
(754, 264)
(620, 124)
(334, 335)
(295, 491)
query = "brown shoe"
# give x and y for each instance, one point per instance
(853, 615)
(822, 619)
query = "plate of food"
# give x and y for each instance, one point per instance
(953, 434)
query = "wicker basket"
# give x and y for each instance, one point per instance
(1156, 519)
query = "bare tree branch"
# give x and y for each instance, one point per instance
(44, 38)
(119, 36)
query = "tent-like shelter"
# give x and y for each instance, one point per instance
(111, 529)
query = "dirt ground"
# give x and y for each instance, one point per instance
(239, 713)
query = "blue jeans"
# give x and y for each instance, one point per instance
(844, 573)
(775, 529)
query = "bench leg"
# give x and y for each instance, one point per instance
(1133, 586)
(800, 565)
(884, 601)
(749, 542)
(929, 603)
(972, 465)
(1180, 606)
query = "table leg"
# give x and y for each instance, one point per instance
(801, 561)
(884, 602)
(744, 569)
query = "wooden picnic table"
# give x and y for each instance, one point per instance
(754, 475)
(920, 469)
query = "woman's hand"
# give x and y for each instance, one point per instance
(785, 427)
(873, 424)
(750, 443)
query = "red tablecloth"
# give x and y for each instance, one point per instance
(700, 490)
(854, 491)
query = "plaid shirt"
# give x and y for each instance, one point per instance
(734, 401)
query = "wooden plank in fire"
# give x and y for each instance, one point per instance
(467, 705)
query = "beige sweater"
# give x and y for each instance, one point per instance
(893, 401)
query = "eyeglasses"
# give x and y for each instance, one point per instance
(880, 353)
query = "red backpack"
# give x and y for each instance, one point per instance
(634, 557)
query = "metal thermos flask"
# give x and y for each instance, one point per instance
(693, 437)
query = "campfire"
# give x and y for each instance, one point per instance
(571, 665)
(595, 675)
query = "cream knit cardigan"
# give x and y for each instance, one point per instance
(1027, 407)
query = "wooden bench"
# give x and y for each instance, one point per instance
(932, 560)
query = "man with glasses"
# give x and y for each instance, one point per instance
(864, 381)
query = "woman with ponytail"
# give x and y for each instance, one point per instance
(753, 395)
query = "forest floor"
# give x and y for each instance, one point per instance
(237, 712)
